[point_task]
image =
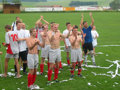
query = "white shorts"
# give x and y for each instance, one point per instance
(39, 47)
(76, 55)
(45, 51)
(67, 49)
(32, 60)
(12, 55)
(54, 55)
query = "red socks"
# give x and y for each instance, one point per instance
(79, 71)
(29, 80)
(72, 71)
(49, 74)
(34, 78)
(56, 73)
(68, 61)
(76, 63)
(41, 68)
(81, 62)
(60, 65)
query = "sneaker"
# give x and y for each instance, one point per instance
(25, 73)
(85, 63)
(80, 75)
(41, 73)
(94, 63)
(31, 87)
(17, 76)
(48, 83)
(72, 76)
(56, 81)
(36, 86)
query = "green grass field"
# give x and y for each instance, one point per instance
(108, 27)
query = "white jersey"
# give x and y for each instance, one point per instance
(11, 40)
(94, 34)
(14, 26)
(22, 44)
(65, 32)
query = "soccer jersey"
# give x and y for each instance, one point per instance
(11, 40)
(94, 34)
(88, 37)
(22, 44)
(65, 32)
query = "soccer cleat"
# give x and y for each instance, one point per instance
(36, 86)
(85, 63)
(41, 73)
(31, 87)
(80, 75)
(48, 83)
(94, 63)
(25, 73)
(56, 81)
(72, 76)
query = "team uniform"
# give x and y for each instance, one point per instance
(65, 32)
(22, 45)
(88, 39)
(76, 54)
(94, 34)
(13, 47)
(54, 55)
(88, 44)
(32, 61)
(46, 49)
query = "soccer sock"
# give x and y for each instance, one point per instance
(60, 65)
(24, 67)
(72, 71)
(92, 56)
(81, 62)
(79, 70)
(15, 68)
(29, 80)
(76, 63)
(85, 58)
(68, 60)
(49, 74)
(41, 68)
(34, 78)
(56, 73)
(48, 65)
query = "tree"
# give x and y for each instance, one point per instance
(115, 4)
(16, 1)
(4, 1)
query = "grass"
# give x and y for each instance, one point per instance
(107, 24)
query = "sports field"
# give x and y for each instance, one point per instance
(101, 77)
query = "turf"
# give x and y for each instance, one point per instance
(107, 24)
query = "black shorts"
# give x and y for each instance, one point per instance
(23, 55)
(87, 46)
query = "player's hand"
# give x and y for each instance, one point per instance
(3, 44)
(90, 14)
(1, 53)
(41, 17)
(82, 15)
(66, 46)
(84, 35)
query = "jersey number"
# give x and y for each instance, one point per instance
(14, 37)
